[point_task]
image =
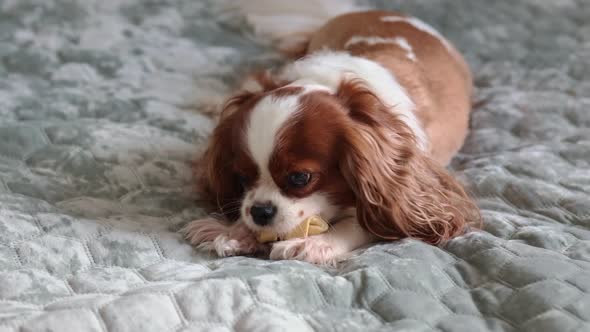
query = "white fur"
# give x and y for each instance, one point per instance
(418, 24)
(267, 118)
(331, 68)
(399, 41)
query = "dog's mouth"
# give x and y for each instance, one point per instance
(313, 225)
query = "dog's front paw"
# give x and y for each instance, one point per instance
(226, 240)
(200, 232)
(317, 249)
(226, 245)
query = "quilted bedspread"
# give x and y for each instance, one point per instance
(100, 116)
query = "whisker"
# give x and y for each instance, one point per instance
(234, 204)
(231, 203)
(232, 210)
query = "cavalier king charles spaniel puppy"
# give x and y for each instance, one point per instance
(358, 130)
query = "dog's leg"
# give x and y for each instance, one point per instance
(225, 239)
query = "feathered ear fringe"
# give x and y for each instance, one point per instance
(400, 192)
(214, 173)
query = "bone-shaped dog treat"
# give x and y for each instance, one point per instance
(310, 226)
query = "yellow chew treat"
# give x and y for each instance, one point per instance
(311, 226)
(267, 236)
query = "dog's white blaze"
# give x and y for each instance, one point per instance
(266, 119)
(398, 41)
(418, 24)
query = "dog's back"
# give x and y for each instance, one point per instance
(426, 65)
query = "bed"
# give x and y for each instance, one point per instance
(101, 112)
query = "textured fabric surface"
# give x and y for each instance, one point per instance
(99, 118)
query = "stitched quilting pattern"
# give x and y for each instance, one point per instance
(102, 108)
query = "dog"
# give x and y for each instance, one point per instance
(357, 130)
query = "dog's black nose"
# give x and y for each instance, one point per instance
(262, 213)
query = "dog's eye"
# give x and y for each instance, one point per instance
(243, 180)
(298, 179)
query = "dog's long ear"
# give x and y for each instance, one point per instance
(216, 180)
(400, 192)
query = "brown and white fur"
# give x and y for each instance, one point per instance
(370, 115)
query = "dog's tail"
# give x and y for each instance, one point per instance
(289, 24)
